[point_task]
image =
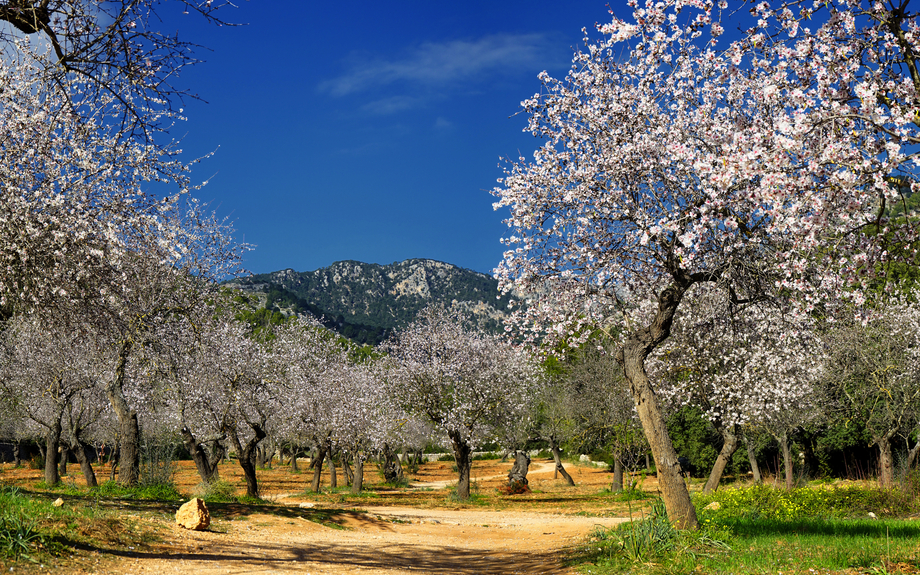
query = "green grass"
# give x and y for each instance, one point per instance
(150, 492)
(761, 530)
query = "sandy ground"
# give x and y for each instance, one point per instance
(378, 537)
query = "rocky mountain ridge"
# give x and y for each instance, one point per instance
(384, 297)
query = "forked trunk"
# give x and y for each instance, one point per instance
(557, 458)
(247, 455)
(82, 452)
(729, 446)
(205, 463)
(752, 459)
(463, 454)
(632, 357)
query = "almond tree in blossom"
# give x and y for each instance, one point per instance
(874, 373)
(49, 375)
(165, 282)
(674, 157)
(746, 366)
(88, 96)
(311, 371)
(464, 381)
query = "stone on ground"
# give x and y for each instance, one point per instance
(194, 515)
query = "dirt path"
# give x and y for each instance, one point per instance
(382, 540)
(416, 530)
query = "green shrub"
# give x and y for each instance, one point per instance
(155, 492)
(838, 502)
(491, 455)
(446, 457)
(217, 492)
(36, 462)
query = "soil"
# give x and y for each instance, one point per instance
(387, 531)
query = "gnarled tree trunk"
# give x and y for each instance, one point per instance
(557, 458)
(518, 474)
(129, 455)
(392, 468)
(729, 446)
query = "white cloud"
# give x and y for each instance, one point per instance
(434, 65)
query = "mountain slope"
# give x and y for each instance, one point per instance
(383, 297)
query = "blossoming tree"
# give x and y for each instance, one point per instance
(674, 156)
(464, 381)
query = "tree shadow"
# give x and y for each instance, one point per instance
(342, 556)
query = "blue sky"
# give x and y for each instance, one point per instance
(369, 131)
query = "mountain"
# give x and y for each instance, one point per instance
(365, 302)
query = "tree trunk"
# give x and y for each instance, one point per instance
(518, 474)
(729, 446)
(617, 485)
(674, 491)
(346, 468)
(631, 356)
(52, 444)
(333, 478)
(113, 462)
(247, 456)
(463, 454)
(205, 464)
(558, 459)
(65, 456)
(392, 468)
(17, 453)
(317, 465)
(358, 484)
(294, 453)
(787, 458)
(752, 459)
(82, 451)
(129, 460)
(885, 461)
(912, 454)
(648, 462)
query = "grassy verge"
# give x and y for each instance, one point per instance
(34, 532)
(761, 530)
